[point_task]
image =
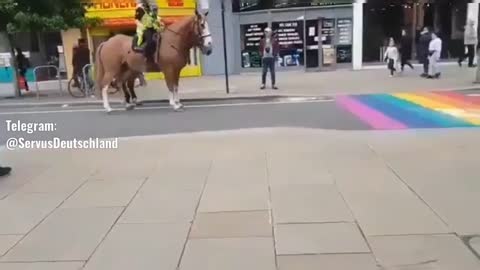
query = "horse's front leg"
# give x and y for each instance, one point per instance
(176, 97)
(172, 84)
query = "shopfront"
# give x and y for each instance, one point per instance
(301, 27)
(118, 18)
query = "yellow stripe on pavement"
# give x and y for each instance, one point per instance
(472, 117)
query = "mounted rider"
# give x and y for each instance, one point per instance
(148, 24)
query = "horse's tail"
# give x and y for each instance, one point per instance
(99, 70)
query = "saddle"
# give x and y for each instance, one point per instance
(143, 50)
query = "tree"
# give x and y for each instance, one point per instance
(40, 16)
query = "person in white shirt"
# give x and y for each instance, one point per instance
(391, 57)
(434, 52)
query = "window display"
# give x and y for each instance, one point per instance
(250, 35)
(291, 39)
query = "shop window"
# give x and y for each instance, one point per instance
(250, 35)
(291, 39)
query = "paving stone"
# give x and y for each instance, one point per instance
(239, 171)
(103, 194)
(475, 244)
(42, 266)
(7, 242)
(71, 234)
(21, 212)
(140, 246)
(441, 251)
(297, 168)
(300, 239)
(383, 204)
(229, 253)
(308, 204)
(328, 262)
(226, 198)
(232, 225)
(162, 206)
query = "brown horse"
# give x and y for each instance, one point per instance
(116, 60)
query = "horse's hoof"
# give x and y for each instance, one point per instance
(130, 107)
(139, 103)
(178, 109)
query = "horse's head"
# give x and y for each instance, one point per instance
(202, 32)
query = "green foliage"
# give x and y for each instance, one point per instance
(43, 15)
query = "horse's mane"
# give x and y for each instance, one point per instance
(181, 24)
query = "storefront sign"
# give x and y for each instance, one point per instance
(130, 4)
(103, 5)
(306, 3)
(290, 38)
(289, 34)
(345, 31)
(252, 34)
(328, 31)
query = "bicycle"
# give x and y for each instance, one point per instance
(78, 89)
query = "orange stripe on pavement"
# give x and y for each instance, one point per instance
(472, 117)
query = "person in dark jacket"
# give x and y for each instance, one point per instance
(81, 58)
(469, 41)
(405, 50)
(422, 50)
(269, 51)
(23, 65)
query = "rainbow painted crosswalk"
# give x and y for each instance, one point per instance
(414, 110)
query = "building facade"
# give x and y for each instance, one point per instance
(352, 32)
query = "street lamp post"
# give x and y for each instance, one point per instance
(227, 84)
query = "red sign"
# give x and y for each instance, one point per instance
(175, 3)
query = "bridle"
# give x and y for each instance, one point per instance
(198, 28)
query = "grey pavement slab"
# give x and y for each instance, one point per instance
(229, 253)
(443, 251)
(232, 225)
(103, 194)
(308, 204)
(301, 239)
(154, 204)
(238, 170)
(181, 174)
(21, 212)
(294, 167)
(475, 244)
(228, 198)
(383, 204)
(327, 261)
(140, 246)
(7, 242)
(42, 266)
(450, 187)
(71, 234)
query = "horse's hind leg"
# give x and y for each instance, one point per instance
(131, 89)
(128, 106)
(107, 79)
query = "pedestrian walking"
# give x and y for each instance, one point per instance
(81, 58)
(391, 57)
(435, 51)
(469, 42)
(422, 49)
(405, 50)
(269, 50)
(5, 171)
(23, 65)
